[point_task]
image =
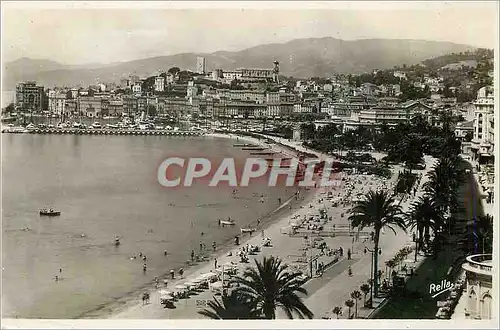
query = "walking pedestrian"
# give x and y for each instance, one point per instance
(348, 254)
(165, 253)
(192, 255)
(214, 245)
(181, 272)
(172, 273)
(215, 263)
(349, 271)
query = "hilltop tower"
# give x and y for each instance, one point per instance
(276, 71)
(200, 65)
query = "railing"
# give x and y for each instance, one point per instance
(478, 261)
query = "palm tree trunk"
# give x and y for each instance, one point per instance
(375, 262)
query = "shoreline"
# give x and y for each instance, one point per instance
(276, 218)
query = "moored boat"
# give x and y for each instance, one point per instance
(50, 212)
(227, 223)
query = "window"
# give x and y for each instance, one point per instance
(471, 306)
(486, 307)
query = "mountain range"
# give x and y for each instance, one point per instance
(301, 58)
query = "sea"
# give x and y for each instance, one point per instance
(107, 186)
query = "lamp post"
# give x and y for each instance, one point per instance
(416, 245)
(372, 278)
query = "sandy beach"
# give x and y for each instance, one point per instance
(292, 248)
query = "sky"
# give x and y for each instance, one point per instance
(80, 33)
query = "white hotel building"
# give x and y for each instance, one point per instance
(484, 128)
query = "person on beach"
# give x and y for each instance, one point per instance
(279, 200)
(192, 255)
(144, 258)
(348, 254)
(201, 245)
(144, 268)
(215, 263)
(219, 222)
(140, 254)
(349, 271)
(258, 222)
(202, 233)
(165, 253)
(181, 272)
(60, 270)
(56, 278)
(214, 245)
(172, 273)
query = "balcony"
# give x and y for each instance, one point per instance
(479, 264)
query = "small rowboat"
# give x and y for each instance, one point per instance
(227, 223)
(247, 230)
(50, 213)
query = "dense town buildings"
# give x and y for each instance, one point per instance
(258, 93)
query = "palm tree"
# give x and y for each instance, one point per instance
(271, 285)
(356, 295)
(379, 210)
(425, 214)
(349, 303)
(231, 307)
(365, 288)
(444, 181)
(482, 230)
(337, 311)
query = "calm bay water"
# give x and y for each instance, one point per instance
(106, 186)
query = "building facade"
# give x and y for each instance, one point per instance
(484, 127)
(479, 294)
(159, 84)
(29, 96)
(57, 102)
(90, 106)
